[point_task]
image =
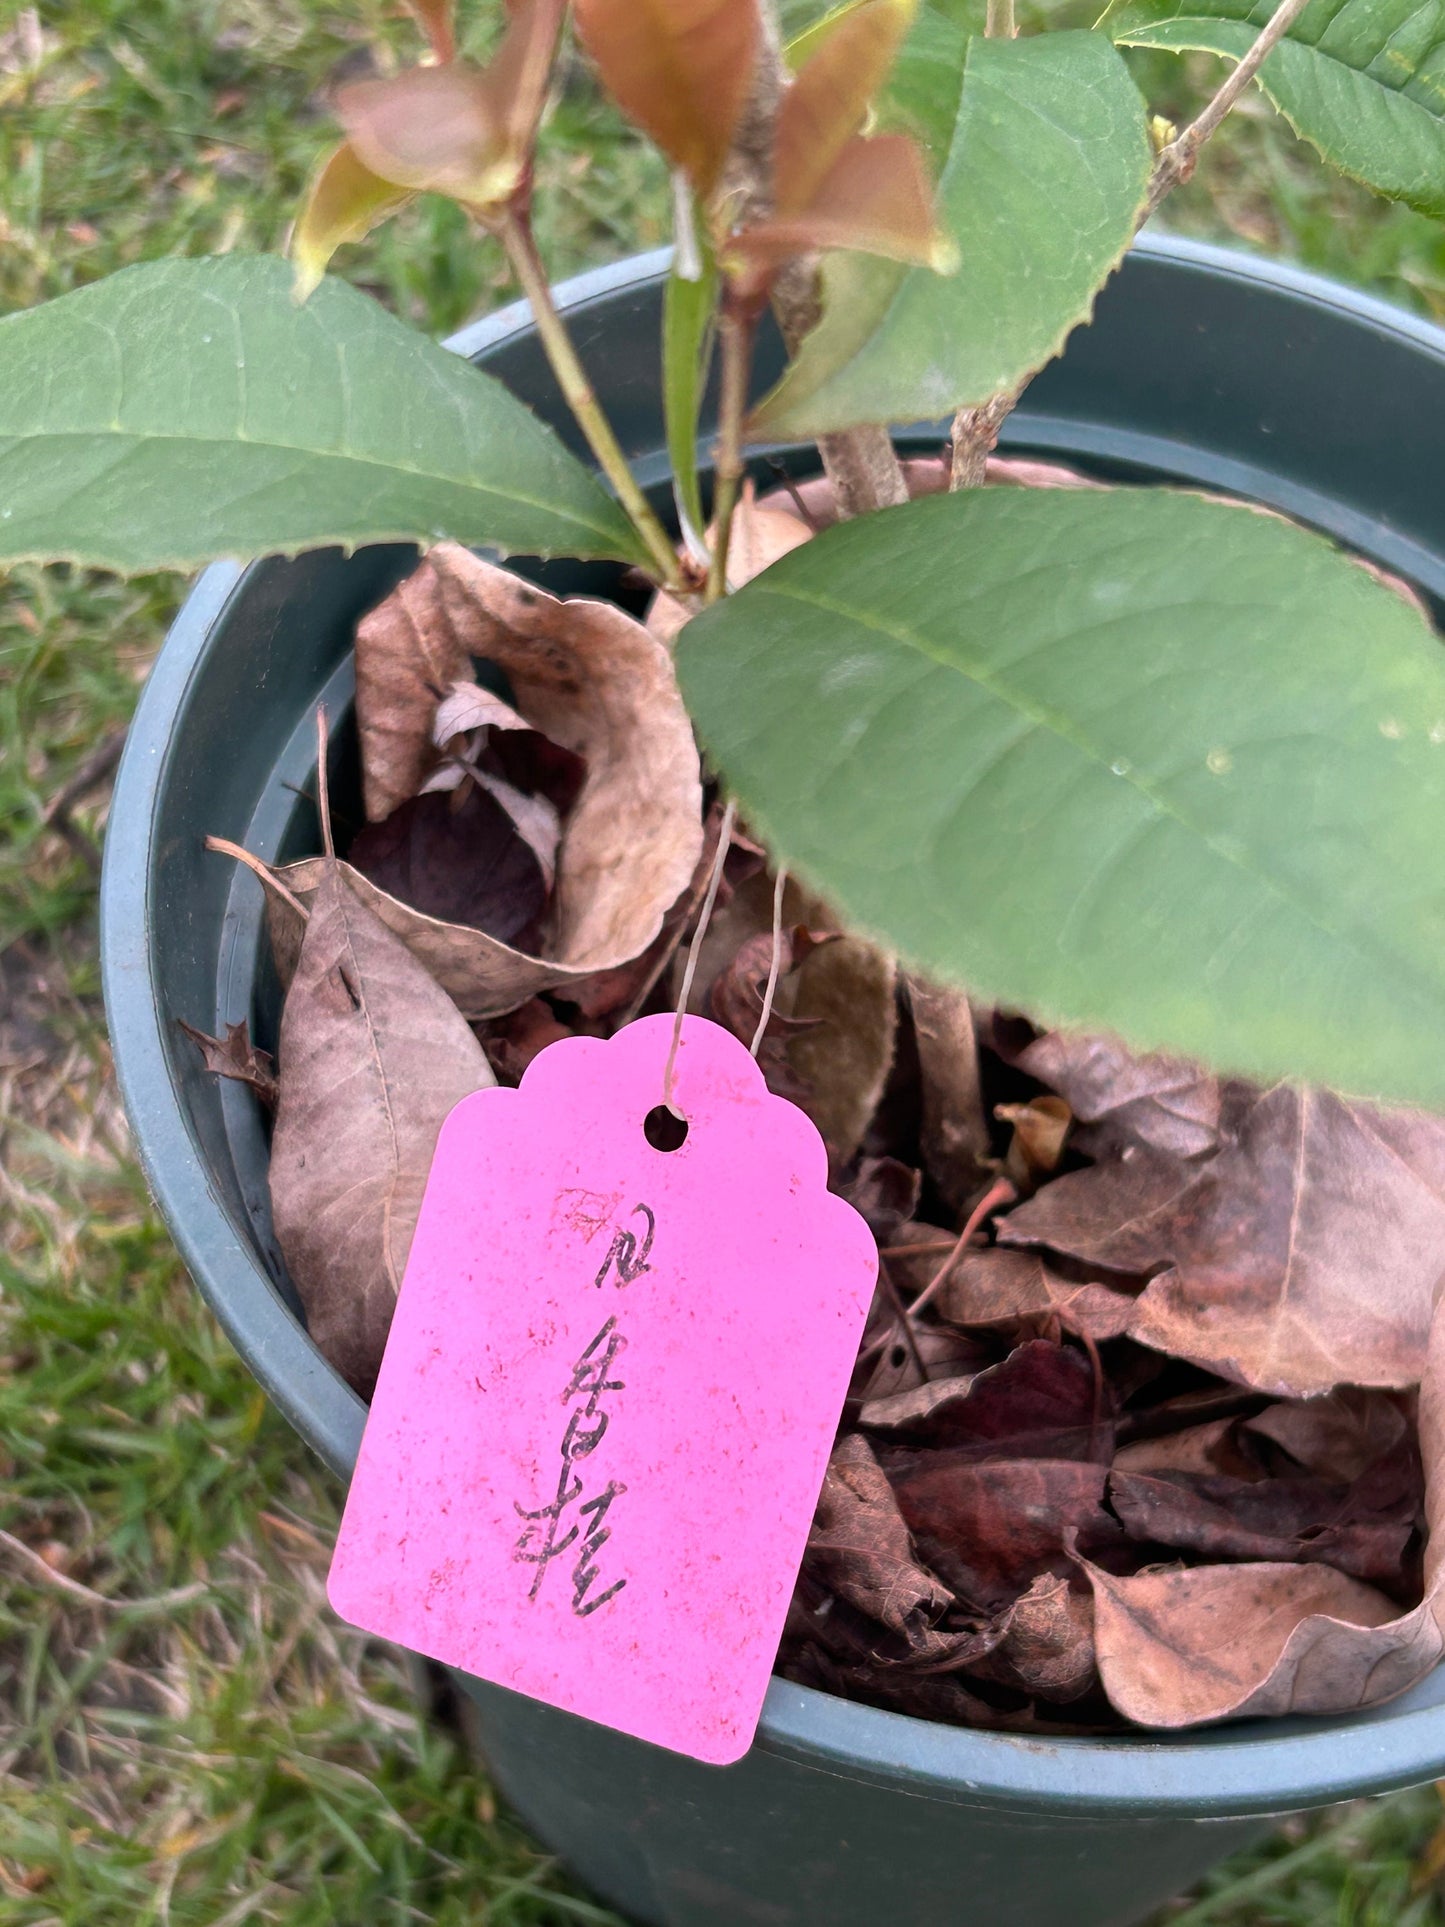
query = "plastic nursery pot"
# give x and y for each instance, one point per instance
(1200, 368)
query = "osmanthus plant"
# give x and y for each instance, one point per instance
(1121, 758)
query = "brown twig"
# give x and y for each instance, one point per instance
(976, 429)
(902, 1317)
(975, 437)
(999, 1194)
(60, 1582)
(736, 331)
(91, 774)
(999, 22)
(224, 847)
(1177, 161)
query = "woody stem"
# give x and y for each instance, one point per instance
(736, 329)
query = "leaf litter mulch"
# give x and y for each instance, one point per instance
(1146, 1425)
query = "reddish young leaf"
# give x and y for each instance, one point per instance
(681, 69)
(518, 73)
(876, 199)
(433, 129)
(826, 104)
(344, 202)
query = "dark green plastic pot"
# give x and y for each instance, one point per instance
(1201, 367)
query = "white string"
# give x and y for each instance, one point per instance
(773, 967)
(725, 837)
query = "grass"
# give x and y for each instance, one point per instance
(187, 1736)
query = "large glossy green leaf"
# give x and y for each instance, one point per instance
(1362, 80)
(187, 409)
(1040, 189)
(1131, 760)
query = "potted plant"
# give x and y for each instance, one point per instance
(1125, 759)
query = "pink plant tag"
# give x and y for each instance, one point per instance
(610, 1390)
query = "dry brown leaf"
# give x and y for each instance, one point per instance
(953, 1132)
(756, 540)
(410, 651)
(1048, 1643)
(590, 679)
(236, 1057)
(1338, 1436)
(859, 1546)
(990, 1528)
(1210, 1447)
(845, 993)
(1307, 1253)
(1037, 1146)
(1164, 1102)
(373, 1056)
(994, 1287)
(1220, 1642)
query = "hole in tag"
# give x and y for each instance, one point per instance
(664, 1129)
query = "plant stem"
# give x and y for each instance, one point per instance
(975, 436)
(1177, 161)
(976, 429)
(999, 23)
(736, 330)
(515, 234)
(861, 463)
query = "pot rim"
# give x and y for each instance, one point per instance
(1250, 1768)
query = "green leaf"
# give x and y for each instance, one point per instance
(687, 313)
(188, 409)
(1048, 164)
(1364, 82)
(1130, 760)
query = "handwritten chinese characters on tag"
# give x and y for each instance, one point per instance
(610, 1390)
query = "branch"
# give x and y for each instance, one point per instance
(735, 344)
(1000, 23)
(975, 437)
(976, 430)
(1178, 160)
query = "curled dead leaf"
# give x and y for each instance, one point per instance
(373, 1056)
(1219, 1642)
(953, 1127)
(236, 1057)
(588, 678)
